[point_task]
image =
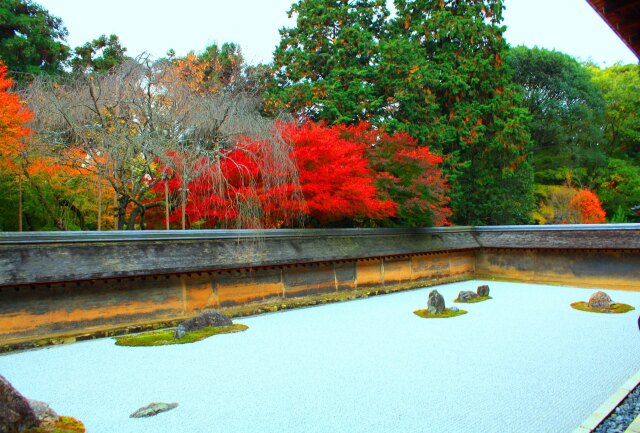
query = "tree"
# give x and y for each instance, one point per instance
(589, 207)
(567, 114)
(14, 116)
(337, 182)
(619, 188)
(620, 87)
(100, 55)
(568, 205)
(252, 185)
(31, 40)
(220, 69)
(446, 85)
(408, 174)
(325, 68)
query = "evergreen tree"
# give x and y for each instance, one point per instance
(567, 111)
(100, 55)
(445, 84)
(31, 40)
(325, 68)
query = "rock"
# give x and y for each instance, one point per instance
(204, 320)
(466, 295)
(153, 409)
(15, 413)
(599, 300)
(43, 412)
(483, 290)
(454, 309)
(435, 304)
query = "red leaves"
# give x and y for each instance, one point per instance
(588, 205)
(13, 117)
(335, 177)
(341, 179)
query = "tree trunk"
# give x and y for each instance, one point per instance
(183, 197)
(99, 203)
(166, 203)
(19, 202)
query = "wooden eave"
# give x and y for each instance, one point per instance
(623, 16)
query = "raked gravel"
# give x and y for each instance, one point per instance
(522, 362)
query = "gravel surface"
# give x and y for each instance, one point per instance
(524, 361)
(623, 415)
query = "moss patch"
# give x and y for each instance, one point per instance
(165, 337)
(445, 314)
(614, 309)
(473, 300)
(65, 424)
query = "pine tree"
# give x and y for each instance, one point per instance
(446, 85)
(325, 68)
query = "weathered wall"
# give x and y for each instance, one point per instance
(45, 311)
(59, 284)
(608, 269)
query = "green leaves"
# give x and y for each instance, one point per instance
(325, 68)
(31, 40)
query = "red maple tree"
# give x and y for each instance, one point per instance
(336, 180)
(589, 207)
(14, 115)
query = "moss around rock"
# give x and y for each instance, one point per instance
(473, 300)
(65, 424)
(613, 309)
(443, 315)
(165, 337)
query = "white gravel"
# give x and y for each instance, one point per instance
(521, 362)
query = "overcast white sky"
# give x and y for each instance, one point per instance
(155, 26)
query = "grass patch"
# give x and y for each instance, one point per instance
(614, 309)
(445, 314)
(473, 300)
(65, 424)
(165, 336)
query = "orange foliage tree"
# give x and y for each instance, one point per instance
(589, 207)
(14, 116)
(337, 181)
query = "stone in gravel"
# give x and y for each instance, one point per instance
(466, 295)
(483, 290)
(43, 412)
(599, 300)
(204, 320)
(15, 413)
(435, 304)
(153, 409)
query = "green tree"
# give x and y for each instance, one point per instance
(620, 86)
(445, 83)
(567, 112)
(619, 188)
(325, 68)
(100, 55)
(31, 40)
(221, 69)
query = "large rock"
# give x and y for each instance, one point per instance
(153, 409)
(204, 320)
(43, 412)
(15, 412)
(466, 295)
(600, 300)
(483, 290)
(435, 304)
